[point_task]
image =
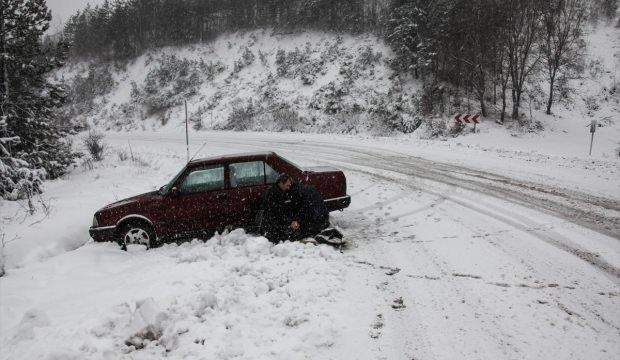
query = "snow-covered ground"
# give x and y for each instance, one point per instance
(453, 254)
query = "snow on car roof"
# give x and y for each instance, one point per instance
(233, 156)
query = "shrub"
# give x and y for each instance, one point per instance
(97, 82)
(122, 155)
(349, 71)
(95, 145)
(333, 51)
(281, 64)
(367, 57)
(241, 118)
(395, 112)
(286, 119)
(592, 104)
(263, 58)
(167, 84)
(211, 69)
(308, 71)
(345, 122)
(247, 58)
(436, 127)
(297, 64)
(195, 118)
(329, 98)
(18, 180)
(596, 68)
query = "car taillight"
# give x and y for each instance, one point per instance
(95, 223)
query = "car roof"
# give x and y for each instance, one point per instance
(233, 157)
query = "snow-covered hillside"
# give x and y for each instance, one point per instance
(255, 80)
(321, 82)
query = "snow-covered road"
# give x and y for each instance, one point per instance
(446, 261)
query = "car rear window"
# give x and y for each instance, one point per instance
(247, 174)
(251, 173)
(204, 179)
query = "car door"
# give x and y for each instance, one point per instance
(248, 181)
(200, 200)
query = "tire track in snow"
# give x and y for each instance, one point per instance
(551, 290)
(555, 239)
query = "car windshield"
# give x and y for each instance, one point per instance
(164, 189)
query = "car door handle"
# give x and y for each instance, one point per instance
(221, 196)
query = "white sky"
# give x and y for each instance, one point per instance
(62, 9)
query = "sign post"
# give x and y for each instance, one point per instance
(592, 130)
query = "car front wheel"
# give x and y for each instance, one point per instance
(137, 234)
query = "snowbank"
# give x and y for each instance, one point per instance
(234, 296)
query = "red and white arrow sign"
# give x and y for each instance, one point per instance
(467, 118)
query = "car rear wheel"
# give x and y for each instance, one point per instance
(137, 233)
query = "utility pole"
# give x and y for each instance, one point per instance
(592, 130)
(186, 132)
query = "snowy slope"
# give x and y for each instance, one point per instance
(240, 72)
(315, 71)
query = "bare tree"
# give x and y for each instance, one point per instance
(503, 77)
(481, 38)
(4, 56)
(563, 21)
(523, 28)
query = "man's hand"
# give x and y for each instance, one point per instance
(295, 225)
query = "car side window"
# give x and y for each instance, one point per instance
(271, 176)
(248, 173)
(203, 179)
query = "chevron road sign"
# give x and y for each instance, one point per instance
(467, 118)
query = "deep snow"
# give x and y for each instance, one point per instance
(234, 296)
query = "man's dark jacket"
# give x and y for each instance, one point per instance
(275, 214)
(309, 209)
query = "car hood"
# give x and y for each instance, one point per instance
(142, 198)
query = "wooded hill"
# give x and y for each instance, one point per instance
(484, 49)
(126, 28)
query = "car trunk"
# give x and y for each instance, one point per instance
(323, 178)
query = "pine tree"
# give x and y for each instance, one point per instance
(31, 146)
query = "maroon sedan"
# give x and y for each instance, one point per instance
(209, 195)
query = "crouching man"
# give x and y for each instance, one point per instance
(309, 210)
(312, 216)
(276, 221)
(291, 211)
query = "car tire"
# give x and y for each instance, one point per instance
(137, 233)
